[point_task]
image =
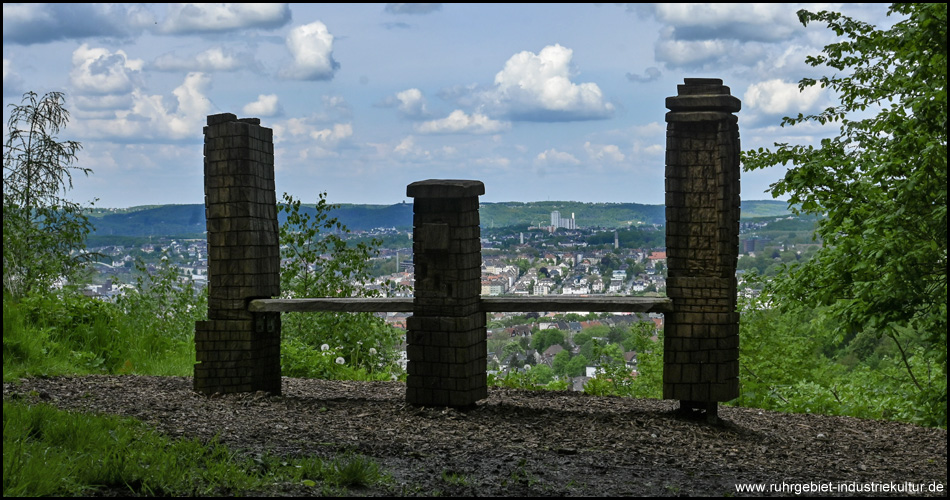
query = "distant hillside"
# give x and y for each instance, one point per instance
(363, 217)
(763, 208)
(536, 213)
(189, 220)
(163, 220)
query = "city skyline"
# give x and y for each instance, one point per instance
(538, 101)
(562, 222)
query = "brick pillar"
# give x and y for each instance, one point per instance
(446, 338)
(701, 351)
(238, 351)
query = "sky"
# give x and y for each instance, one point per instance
(538, 101)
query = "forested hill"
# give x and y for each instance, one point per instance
(189, 220)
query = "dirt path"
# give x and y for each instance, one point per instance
(526, 443)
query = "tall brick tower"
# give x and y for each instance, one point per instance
(701, 350)
(238, 351)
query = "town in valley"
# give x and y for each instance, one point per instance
(560, 255)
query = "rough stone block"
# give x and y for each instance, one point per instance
(433, 236)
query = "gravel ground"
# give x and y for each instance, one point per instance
(525, 443)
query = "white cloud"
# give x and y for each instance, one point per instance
(603, 152)
(648, 141)
(18, 14)
(405, 146)
(655, 129)
(538, 87)
(212, 17)
(407, 150)
(412, 103)
(193, 106)
(95, 104)
(150, 119)
(311, 46)
(458, 122)
(655, 150)
(333, 136)
(810, 132)
(265, 105)
(788, 63)
(744, 22)
(316, 153)
(553, 156)
(100, 72)
(719, 36)
(293, 127)
(680, 53)
(211, 60)
(319, 140)
(336, 105)
(776, 97)
(716, 36)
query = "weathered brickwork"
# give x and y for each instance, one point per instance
(701, 351)
(238, 351)
(446, 338)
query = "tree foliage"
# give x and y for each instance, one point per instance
(43, 232)
(318, 262)
(881, 183)
(544, 339)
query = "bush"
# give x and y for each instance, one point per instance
(318, 262)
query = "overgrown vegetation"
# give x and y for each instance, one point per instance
(795, 361)
(48, 326)
(147, 330)
(882, 185)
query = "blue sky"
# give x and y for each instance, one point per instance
(538, 101)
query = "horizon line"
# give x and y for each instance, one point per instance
(405, 202)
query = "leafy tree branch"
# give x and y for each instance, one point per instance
(43, 232)
(881, 183)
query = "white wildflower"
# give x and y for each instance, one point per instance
(325, 347)
(340, 360)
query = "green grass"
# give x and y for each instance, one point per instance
(50, 452)
(67, 334)
(455, 478)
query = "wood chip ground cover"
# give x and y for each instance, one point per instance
(523, 443)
